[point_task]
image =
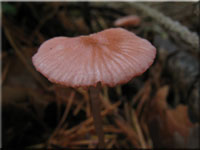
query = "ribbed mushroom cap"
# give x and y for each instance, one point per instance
(112, 56)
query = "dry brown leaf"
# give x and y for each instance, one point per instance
(163, 122)
(178, 120)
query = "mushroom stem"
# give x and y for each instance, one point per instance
(96, 109)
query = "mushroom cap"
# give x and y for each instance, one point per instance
(128, 21)
(112, 56)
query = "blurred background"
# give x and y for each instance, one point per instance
(159, 109)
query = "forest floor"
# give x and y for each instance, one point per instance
(159, 109)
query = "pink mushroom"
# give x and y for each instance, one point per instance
(128, 21)
(109, 57)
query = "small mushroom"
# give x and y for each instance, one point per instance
(110, 57)
(128, 21)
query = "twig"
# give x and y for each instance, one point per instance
(110, 144)
(131, 135)
(5, 71)
(84, 142)
(127, 112)
(86, 126)
(85, 130)
(78, 108)
(22, 58)
(138, 129)
(86, 100)
(67, 109)
(90, 119)
(174, 26)
(143, 99)
(141, 93)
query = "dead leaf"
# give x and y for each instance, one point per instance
(164, 122)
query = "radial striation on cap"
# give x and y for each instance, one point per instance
(112, 56)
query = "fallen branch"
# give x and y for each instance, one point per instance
(174, 26)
